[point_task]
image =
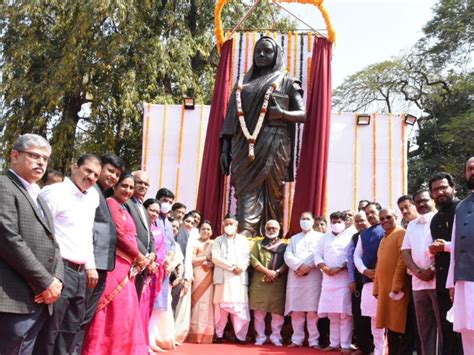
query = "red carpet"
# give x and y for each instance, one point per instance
(250, 349)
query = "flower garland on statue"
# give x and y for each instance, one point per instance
(252, 138)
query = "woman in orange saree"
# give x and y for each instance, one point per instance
(202, 309)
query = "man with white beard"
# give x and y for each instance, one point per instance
(267, 289)
(335, 301)
(303, 279)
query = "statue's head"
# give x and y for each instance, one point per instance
(265, 52)
(267, 56)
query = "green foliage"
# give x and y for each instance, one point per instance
(80, 71)
(436, 79)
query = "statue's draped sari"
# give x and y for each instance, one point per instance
(259, 184)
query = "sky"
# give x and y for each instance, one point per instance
(368, 31)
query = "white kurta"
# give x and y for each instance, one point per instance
(463, 291)
(368, 303)
(227, 253)
(335, 292)
(300, 251)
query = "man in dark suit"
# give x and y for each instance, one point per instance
(104, 238)
(443, 190)
(30, 263)
(145, 241)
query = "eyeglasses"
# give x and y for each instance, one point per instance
(35, 156)
(387, 218)
(271, 228)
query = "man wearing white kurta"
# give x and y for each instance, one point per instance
(303, 279)
(461, 268)
(331, 257)
(230, 255)
(365, 259)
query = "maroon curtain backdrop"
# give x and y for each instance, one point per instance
(211, 182)
(310, 187)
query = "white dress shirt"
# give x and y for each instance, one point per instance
(73, 216)
(418, 239)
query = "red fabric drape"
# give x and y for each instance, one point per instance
(211, 182)
(310, 187)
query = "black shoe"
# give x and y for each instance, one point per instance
(240, 342)
(218, 340)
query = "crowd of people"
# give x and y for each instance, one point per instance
(88, 265)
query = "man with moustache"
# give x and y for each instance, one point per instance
(267, 289)
(391, 285)
(407, 208)
(31, 267)
(145, 240)
(330, 257)
(362, 333)
(72, 204)
(365, 259)
(443, 190)
(416, 256)
(104, 237)
(461, 267)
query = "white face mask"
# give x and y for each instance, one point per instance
(230, 229)
(165, 207)
(306, 224)
(337, 227)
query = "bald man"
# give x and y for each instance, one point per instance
(145, 240)
(391, 285)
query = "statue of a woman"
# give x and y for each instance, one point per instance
(258, 137)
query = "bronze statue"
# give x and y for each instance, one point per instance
(258, 143)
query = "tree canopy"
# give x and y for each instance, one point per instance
(79, 71)
(435, 78)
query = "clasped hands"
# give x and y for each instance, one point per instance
(437, 246)
(51, 294)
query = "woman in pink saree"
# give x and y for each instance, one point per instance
(202, 309)
(153, 282)
(117, 326)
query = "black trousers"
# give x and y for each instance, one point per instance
(452, 343)
(59, 332)
(362, 333)
(404, 343)
(18, 332)
(93, 296)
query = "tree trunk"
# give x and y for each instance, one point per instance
(64, 134)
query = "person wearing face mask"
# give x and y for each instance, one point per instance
(303, 279)
(230, 256)
(330, 257)
(365, 260)
(267, 288)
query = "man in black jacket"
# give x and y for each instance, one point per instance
(145, 240)
(443, 190)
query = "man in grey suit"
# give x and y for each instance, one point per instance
(30, 263)
(145, 240)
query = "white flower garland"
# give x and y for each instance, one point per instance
(252, 138)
